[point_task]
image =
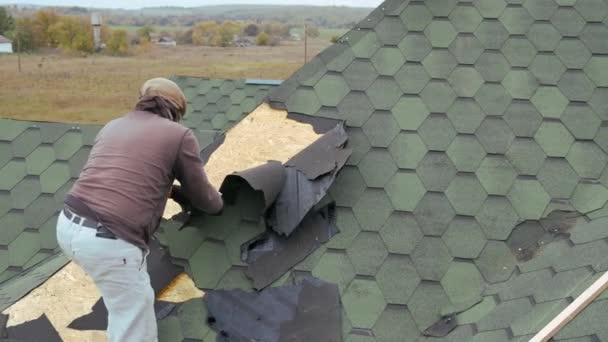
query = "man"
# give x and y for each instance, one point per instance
(116, 204)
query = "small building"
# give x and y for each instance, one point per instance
(166, 41)
(6, 46)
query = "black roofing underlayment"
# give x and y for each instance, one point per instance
(307, 311)
(37, 330)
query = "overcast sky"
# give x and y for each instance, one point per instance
(188, 3)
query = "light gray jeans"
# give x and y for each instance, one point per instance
(119, 271)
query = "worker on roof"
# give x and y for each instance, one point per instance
(116, 204)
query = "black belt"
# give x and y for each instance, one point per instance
(102, 231)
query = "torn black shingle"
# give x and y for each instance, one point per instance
(40, 329)
(307, 311)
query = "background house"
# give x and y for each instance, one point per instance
(6, 46)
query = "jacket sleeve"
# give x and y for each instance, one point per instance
(193, 179)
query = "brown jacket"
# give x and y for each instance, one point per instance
(130, 171)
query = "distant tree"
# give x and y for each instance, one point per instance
(73, 34)
(118, 44)
(145, 32)
(23, 35)
(6, 21)
(252, 30)
(43, 20)
(206, 33)
(228, 30)
(262, 39)
(313, 32)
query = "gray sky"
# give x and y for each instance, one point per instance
(188, 3)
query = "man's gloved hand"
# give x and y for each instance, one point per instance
(180, 198)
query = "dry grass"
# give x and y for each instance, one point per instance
(96, 89)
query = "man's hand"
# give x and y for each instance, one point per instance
(180, 198)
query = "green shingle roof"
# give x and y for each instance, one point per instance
(497, 109)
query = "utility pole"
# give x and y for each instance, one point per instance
(305, 43)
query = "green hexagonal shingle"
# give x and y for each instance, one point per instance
(432, 258)
(465, 18)
(554, 138)
(363, 302)
(12, 226)
(367, 45)
(427, 304)
(581, 121)
(397, 278)
(388, 61)
(441, 8)
(526, 156)
(523, 118)
(492, 34)
(493, 98)
(436, 171)
(348, 226)
(356, 108)
(410, 113)
(401, 233)
(331, 89)
(434, 213)
(573, 53)
(519, 51)
(440, 33)
(596, 70)
(529, 198)
(438, 96)
(26, 142)
(23, 248)
(372, 209)
(377, 167)
(381, 129)
(407, 150)
(437, 132)
(490, 8)
(547, 68)
(521, 84)
(390, 30)
(349, 185)
(11, 174)
(67, 145)
(496, 262)
(587, 159)
(466, 194)
(25, 192)
(492, 66)
(588, 197)
(395, 324)
(464, 238)
(439, 63)
(465, 115)
(416, 17)
(384, 93)
(303, 101)
(209, 264)
(466, 153)
(495, 135)
(357, 140)
(336, 268)
(576, 86)
(463, 284)
(496, 174)
(594, 37)
(497, 218)
(516, 20)
(592, 10)
(54, 177)
(415, 47)
(360, 74)
(568, 22)
(412, 78)
(544, 36)
(405, 190)
(558, 178)
(466, 49)
(465, 81)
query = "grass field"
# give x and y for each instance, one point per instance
(170, 29)
(95, 89)
(324, 34)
